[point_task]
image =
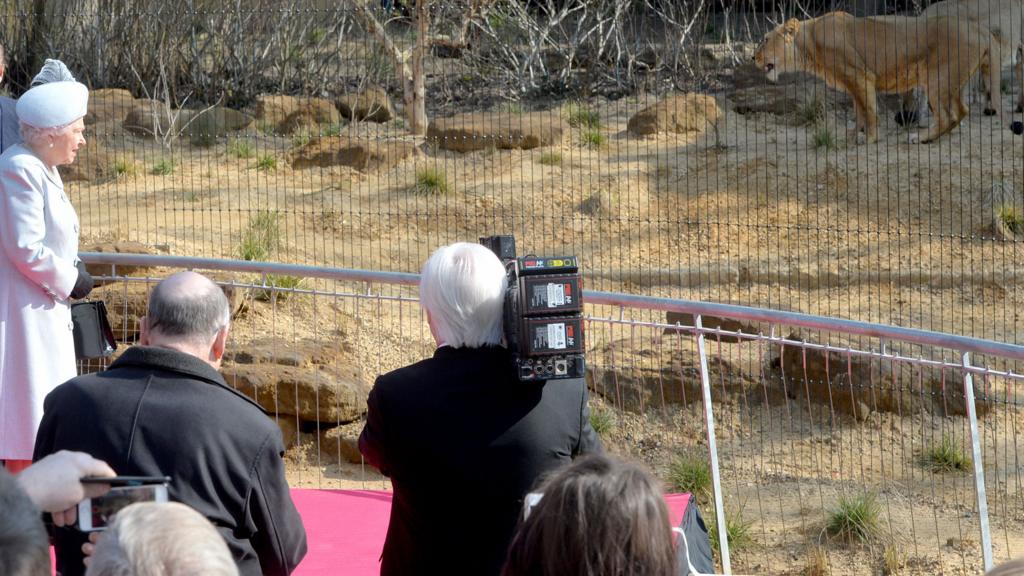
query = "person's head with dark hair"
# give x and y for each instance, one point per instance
(24, 547)
(599, 516)
(188, 313)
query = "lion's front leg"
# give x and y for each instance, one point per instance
(865, 106)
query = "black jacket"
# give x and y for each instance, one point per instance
(161, 412)
(463, 441)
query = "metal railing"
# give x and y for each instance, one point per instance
(920, 427)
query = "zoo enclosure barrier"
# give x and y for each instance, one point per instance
(813, 430)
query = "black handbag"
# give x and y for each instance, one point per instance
(93, 336)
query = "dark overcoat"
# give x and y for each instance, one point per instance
(158, 412)
(463, 441)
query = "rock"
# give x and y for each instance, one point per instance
(362, 154)
(274, 109)
(151, 119)
(119, 247)
(331, 394)
(849, 384)
(651, 372)
(126, 303)
(215, 122)
(680, 114)
(686, 319)
(482, 130)
(108, 104)
(95, 163)
(342, 442)
(372, 104)
(724, 55)
(299, 122)
(770, 98)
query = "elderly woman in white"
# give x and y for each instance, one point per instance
(39, 266)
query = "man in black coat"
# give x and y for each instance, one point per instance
(460, 437)
(162, 409)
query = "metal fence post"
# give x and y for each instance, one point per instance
(979, 468)
(709, 421)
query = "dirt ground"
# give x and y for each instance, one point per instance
(752, 213)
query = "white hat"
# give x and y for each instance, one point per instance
(53, 104)
(52, 71)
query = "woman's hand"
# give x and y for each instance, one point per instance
(84, 284)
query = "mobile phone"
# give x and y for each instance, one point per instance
(96, 513)
(126, 480)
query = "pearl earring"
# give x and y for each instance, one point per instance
(51, 144)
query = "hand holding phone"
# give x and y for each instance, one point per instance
(97, 513)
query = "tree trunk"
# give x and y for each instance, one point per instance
(416, 95)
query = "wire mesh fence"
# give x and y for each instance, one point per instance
(841, 447)
(636, 135)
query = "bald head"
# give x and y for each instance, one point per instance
(186, 308)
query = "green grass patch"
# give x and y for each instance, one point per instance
(811, 112)
(124, 167)
(593, 138)
(816, 563)
(550, 159)
(946, 456)
(333, 130)
(823, 138)
(1012, 219)
(278, 287)
(855, 519)
(690, 472)
(301, 139)
(579, 115)
(510, 108)
(266, 162)
(431, 182)
(738, 530)
(603, 421)
(261, 237)
(241, 149)
(164, 167)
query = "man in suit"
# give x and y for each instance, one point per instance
(462, 439)
(163, 409)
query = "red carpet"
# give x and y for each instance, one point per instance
(346, 529)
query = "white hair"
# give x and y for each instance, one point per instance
(37, 138)
(161, 539)
(462, 287)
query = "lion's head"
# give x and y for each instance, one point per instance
(777, 52)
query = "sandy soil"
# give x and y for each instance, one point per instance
(893, 233)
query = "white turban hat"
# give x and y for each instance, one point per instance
(52, 71)
(53, 104)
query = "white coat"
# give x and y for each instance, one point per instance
(39, 237)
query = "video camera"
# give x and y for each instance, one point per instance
(543, 308)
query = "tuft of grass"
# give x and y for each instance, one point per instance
(164, 167)
(593, 138)
(266, 162)
(510, 108)
(811, 111)
(603, 421)
(301, 139)
(823, 138)
(431, 182)
(855, 518)
(893, 561)
(123, 167)
(550, 159)
(817, 562)
(278, 287)
(333, 130)
(580, 116)
(737, 529)
(241, 149)
(690, 472)
(946, 456)
(262, 236)
(1012, 219)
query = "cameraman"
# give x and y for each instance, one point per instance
(461, 438)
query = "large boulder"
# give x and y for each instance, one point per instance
(215, 122)
(372, 104)
(652, 372)
(151, 118)
(713, 322)
(117, 247)
(95, 163)
(858, 385)
(483, 130)
(106, 104)
(679, 114)
(303, 379)
(358, 153)
(273, 110)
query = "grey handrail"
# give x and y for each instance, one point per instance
(745, 313)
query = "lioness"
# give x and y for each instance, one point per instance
(863, 56)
